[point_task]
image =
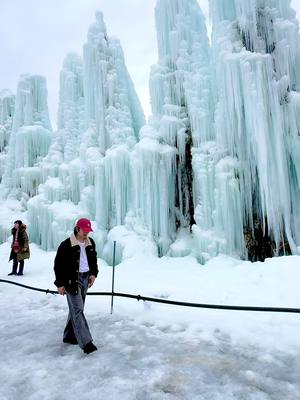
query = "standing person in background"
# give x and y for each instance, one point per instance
(19, 247)
(76, 269)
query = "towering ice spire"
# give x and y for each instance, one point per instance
(71, 97)
(87, 169)
(70, 119)
(182, 118)
(113, 118)
(111, 104)
(220, 156)
(31, 130)
(7, 106)
(256, 47)
(31, 103)
(182, 76)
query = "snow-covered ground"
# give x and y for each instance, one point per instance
(154, 351)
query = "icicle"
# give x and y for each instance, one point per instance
(31, 132)
(87, 168)
(180, 89)
(7, 106)
(255, 54)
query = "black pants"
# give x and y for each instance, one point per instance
(15, 265)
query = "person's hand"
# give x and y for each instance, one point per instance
(61, 290)
(91, 280)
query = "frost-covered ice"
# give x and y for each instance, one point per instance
(30, 137)
(152, 351)
(256, 50)
(219, 156)
(86, 171)
(7, 105)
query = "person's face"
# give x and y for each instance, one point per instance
(82, 235)
(16, 225)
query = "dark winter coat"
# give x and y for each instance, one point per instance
(23, 240)
(66, 263)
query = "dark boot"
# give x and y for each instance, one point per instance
(14, 268)
(89, 348)
(70, 341)
(21, 268)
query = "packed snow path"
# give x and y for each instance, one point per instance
(153, 351)
(135, 361)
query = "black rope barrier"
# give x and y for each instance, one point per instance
(171, 302)
(47, 291)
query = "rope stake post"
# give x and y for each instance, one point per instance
(113, 280)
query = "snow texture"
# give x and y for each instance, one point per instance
(154, 351)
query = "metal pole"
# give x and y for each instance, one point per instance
(113, 279)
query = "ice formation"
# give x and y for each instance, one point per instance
(216, 168)
(30, 136)
(182, 117)
(7, 106)
(86, 171)
(256, 67)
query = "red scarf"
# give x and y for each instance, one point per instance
(16, 246)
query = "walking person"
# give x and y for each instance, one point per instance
(19, 248)
(76, 269)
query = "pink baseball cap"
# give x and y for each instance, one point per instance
(85, 225)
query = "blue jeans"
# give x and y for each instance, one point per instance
(77, 326)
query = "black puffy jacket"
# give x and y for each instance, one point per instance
(66, 263)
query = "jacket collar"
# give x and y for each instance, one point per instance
(21, 228)
(74, 241)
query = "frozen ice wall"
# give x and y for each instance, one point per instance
(182, 118)
(87, 171)
(112, 108)
(7, 106)
(215, 170)
(30, 137)
(256, 68)
(70, 119)
(113, 119)
(220, 154)
(54, 209)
